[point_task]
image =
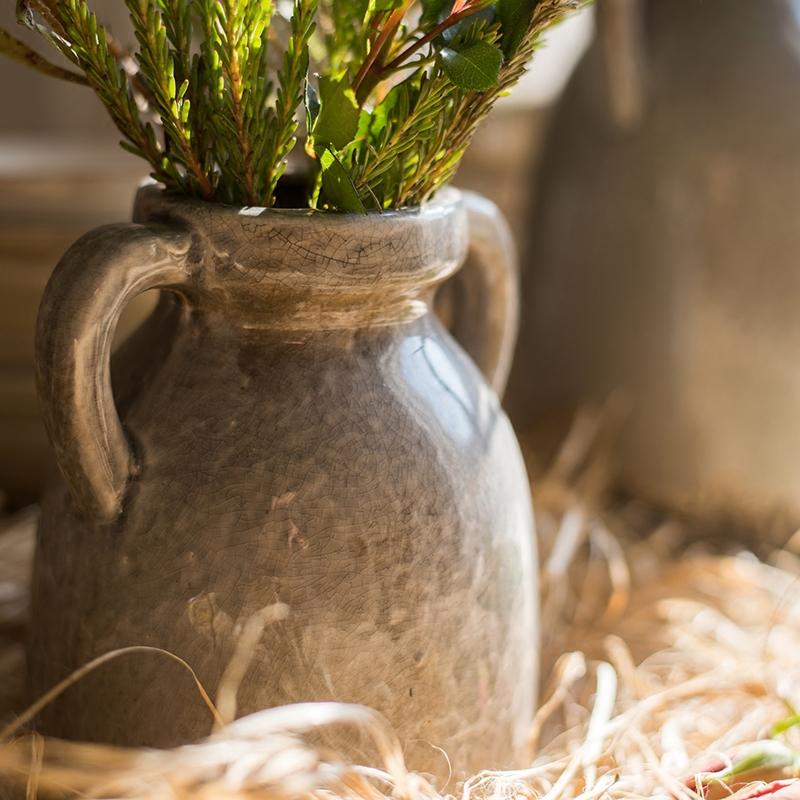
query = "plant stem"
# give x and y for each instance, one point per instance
(237, 92)
(369, 74)
(372, 71)
(20, 52)
(131, 69)
(157, 60)
(26, 9)
(453, 19)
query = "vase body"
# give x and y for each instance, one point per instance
(662, 259)
(307, 433)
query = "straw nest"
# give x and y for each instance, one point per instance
(660, 658)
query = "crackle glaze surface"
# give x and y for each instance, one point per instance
(303, 430)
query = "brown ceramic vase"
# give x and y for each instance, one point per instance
(662, 259)
(293, 425)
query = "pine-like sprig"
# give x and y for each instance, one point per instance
(401, 86)
(235, 52)
(20, 52)
(281, 138)
(205, 114)
(438, 165)
(387, 161)
(157, 62)
(445, 70)
(427, 139)
(76, 33)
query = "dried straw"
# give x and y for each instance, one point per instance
(657, 657)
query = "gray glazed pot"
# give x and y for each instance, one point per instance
(292, 424)
(662, 257)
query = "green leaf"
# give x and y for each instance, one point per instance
(470, 29)
(476, 67)
(337, 121)
(338, 191)
(383, 113)
(515, 17)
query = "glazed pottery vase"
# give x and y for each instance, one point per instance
(661, 266)
(292, 425)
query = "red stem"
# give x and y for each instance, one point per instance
(383, 40)
(432, 34)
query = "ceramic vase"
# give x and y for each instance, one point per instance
(292, 425)
(661, 263)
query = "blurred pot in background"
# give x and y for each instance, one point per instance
(50, 193)
(664, 254)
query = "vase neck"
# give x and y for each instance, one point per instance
(314, 270)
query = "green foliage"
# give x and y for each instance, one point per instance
(292, 78)
(19, 51)
(337, 122)
(211, 95)
(167, 85)
(474, 67)
(74, 30)
(342, 21)
(444, 74)
(513, 16)
(200, 104)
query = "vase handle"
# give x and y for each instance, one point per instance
(82, 303)
(485, 292)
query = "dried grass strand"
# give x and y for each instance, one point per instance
(23, 719)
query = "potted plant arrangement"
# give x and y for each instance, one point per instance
(292, 424)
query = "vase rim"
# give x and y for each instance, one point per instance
(445, 199)
(314, 269)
